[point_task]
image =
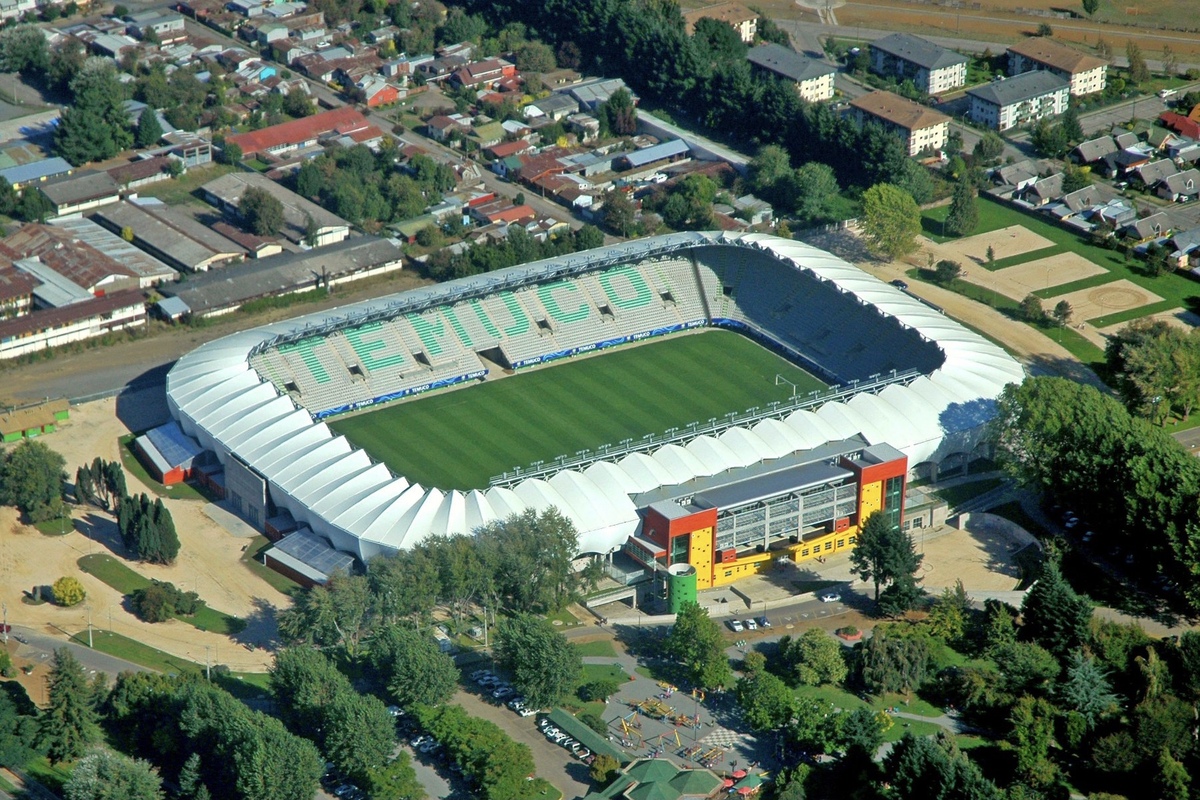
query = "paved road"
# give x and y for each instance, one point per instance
(40, 647)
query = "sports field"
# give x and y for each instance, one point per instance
(459, 439)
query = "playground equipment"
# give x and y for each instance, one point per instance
(663, 738)
(654, 708)
(631, 727)
(685, 720)
(711, 757)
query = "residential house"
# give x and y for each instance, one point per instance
(813, 79)
(1162, 139)
(1184, 249)
(440, 127)
(932, 69)
(1180, 187)
(1018, 175)
(753, 210)
(584, 126)
(378, 92)
(1185, 126)
(306, 132)
(502, 211)
(486, 135)
(922, 129)
(483, 73)
(1125, 139)
(77, 322)
(556, 106)
(1094, 150)
(440, 69)
(304, 222)
(1075, 204)
(1042, 191)
(84, 191)
(1084, 73)
(735, 15)
(1144, 230)
(1148, 175)
(1011, 103)
(650, 158)
(142, 172)
(1116, 212)
(548, 162)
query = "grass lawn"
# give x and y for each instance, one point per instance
(251, 562)
(565, 619)
(181, 189)
(913, 726)
(55, 527)
(126, 581)
(1176, 290)
(922, 708)
(591, 674)
(956, 495)
(131, 650)
(601, 648)
(51, 776)
(459, 439)
(839, 698)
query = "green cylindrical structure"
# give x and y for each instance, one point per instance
(681, 586)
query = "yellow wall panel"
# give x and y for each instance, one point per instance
(870, 500)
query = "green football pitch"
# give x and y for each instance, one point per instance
(460, 438)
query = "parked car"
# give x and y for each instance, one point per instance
(832, 597)
(751, 625)
(763, 622)
(736, 625)
(899, 284)
(502, 692)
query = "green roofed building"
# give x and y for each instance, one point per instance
(660, 779)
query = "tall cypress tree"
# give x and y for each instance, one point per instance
(68, 725)
(963, 216)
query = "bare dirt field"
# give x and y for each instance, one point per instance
(981, 556)
(1180, 318)
(1107, 299)
(1022, 279)
(208, 563)
(1014, 240)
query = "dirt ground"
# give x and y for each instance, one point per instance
(1184, 320)
(1051, 271)
(1107, 299)
(1014, 240)
(208, 563)
(981, 556)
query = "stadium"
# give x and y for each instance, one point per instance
(907, 391)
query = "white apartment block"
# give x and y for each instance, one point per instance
(933, 69)
(1085, 74)
(919, 127)
(1013, 102)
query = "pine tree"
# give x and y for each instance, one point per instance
(1054, 615)
(963, 216)
(1087, 689)
(1172, 779)
(68, 725)
(189, 776)
(85, 490)
(149, 131)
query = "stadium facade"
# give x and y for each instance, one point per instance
(914, 391)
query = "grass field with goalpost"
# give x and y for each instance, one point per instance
(460, 438)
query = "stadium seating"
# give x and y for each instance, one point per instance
(707, 284)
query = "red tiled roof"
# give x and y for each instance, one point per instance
(15, 284)
(1180, 124)
(345, 120)
(506, 149)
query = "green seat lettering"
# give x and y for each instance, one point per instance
(429, 332)
(365, 350)
(520, 321)
(484, 319)
(546, 295)
(463, 336)
(304, 348)
(642, 295)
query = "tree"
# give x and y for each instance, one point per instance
(766, 700)
(148, 129)
(603, 769)
(696, 642)
(1170, 61)
(68, 724)
(544, 666)
(618, 212)
(948, 615)
(1138, 71)
(358, 733)
(813, 658)
(1076, 178)
(921, 768)
(1031, 309)
(535, 57)
(946, 270)
(68, 591)
(617, 115)
(1062, 312)
(892, 663)
(1086, 689)
(262, 211)
(414, 669)
(1054, 616)
(1171, 780)
(1044, 29)
(1032, 721)
(107, 775)
(883, 553)
(989, 148)
(891, 221)
(816, 187)
(95, 126)
(18, 732)
(190, 777)
(1049, 140)
(397, 780)
(1071, 127)
(230, 153)
(32, 476)
(297, 103)
(34, 206)
(770, 165)
(1025, 668)
(23, 49)
(963, 215)
(1090, 7)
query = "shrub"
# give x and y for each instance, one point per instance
(161, 601)
(598, 690)
(68, 591)
(847, 630)
(594, 722)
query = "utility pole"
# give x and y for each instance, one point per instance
(5, 628)
(207, 668)
(89, 609)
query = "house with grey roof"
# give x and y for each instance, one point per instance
(932, 68)
(813, 79)
(1094, 150)
(84, 191)
(1042, 191)
(1184, 248)
(1018, 175)
(555, 106)
(1143, 230)
(24, 175)
(1012, 102)
(1180, 187)
(1150, 174)
(592, 94)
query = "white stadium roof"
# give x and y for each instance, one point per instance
(363, 509)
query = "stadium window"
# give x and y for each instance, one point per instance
(853, 539)
(728, 573)
(804, 552)
(829, 545)
(841, 542)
